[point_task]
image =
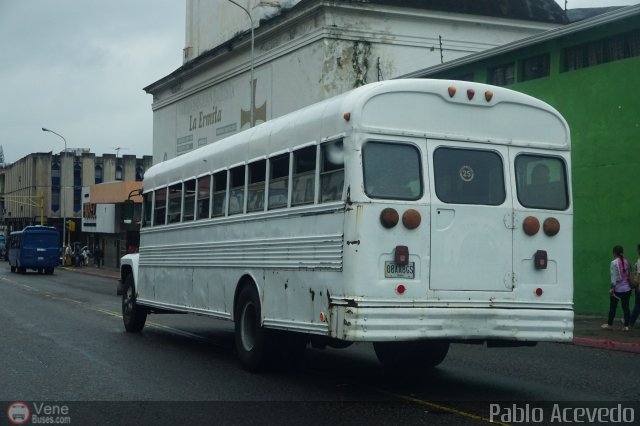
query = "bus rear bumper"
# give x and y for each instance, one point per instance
(473, 324)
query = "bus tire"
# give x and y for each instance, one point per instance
(13, 268)
(48, 271)
(22, 270)
(411, 356)
(133, 315)
(251, 339)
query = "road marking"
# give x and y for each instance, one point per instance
(433, 405)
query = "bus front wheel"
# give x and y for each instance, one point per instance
(414, 355)
(133, 315)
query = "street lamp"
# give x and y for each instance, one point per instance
(64, 216)
(251, 78)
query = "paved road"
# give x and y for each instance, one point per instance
(62, 340)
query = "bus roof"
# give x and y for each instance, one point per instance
(441, 109)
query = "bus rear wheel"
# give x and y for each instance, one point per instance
(411, 356)
(133, 315)
(251, 339)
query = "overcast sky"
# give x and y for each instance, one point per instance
(78, 68)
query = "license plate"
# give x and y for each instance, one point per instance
(393, 270)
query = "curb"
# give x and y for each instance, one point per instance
(607, 344)
(97, 272)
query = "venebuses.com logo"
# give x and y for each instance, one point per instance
(18, 413)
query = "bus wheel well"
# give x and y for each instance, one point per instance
(124, 271)
(245, 281)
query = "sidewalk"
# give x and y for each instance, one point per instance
(586, 329)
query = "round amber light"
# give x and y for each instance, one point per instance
(389, 218)
(531, 225)
(411, 219)
(551, 226)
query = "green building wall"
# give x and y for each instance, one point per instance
(601, 103)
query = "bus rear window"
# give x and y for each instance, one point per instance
(469, 176)
(392, 171)
(541, 182)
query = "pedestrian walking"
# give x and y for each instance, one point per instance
(97, 256)
(620, 289)
(635, 288)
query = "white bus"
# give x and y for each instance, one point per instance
(407, 213)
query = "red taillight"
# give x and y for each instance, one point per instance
(539, 292)
(400, 289)
(401, 256)
(551, 226)
(389, 218)
(531, 225)
(411, 219)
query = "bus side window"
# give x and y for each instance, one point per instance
(257, 175)
(331, 171)
(219, 194)
(236, 193)
(189, 200)
(146, 206)
(204, 193)
(175, 203)
(304, 176)
(159, 217)
(278, 181)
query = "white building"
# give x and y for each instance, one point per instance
(306, 51)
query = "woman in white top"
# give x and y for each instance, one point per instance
(620, 288)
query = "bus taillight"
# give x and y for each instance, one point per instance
(551, 226)
(389, 218)
(411, 219)
(531, 225)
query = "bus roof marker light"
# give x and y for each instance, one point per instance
(411, 219)
(551, 226)
(389, 217)
(531, 225)
(488, 95)
(470, 93)
(452, 91)
(346, 116)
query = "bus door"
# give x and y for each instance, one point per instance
(471, 217)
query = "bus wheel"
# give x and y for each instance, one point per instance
(414, 355)
(133, 315)
(250, 338)
(48, 271)
(22, 270)
(13, 268)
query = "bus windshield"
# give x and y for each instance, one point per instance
(401, 179)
